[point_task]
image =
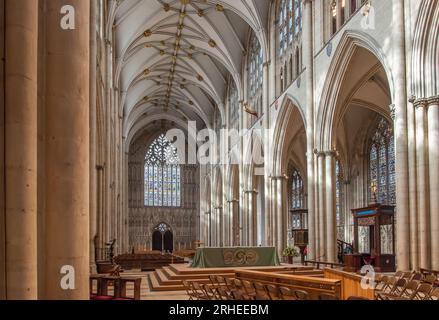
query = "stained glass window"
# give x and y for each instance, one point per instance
(290, 23)
(162, 174)
(255, 66)
(297, 190)
(255, 70)
(382, 182)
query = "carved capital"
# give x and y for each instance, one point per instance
(433, 100)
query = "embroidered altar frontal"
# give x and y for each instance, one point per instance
(235, 257)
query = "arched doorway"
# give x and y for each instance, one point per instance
(163, 238)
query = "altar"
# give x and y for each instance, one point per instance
(235, 257)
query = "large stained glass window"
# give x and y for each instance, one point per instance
(162, 174)
(290, 23)
(382, 183)
(255, 66)
(297, 190)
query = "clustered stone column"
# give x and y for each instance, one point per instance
(424, 222)
(433, 160)
(308, 59)
(21, 148)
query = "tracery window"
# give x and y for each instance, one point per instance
(255, 76)
(297, 190)
(290, 49)
(290, 23)
(162, 174)
(382, 180)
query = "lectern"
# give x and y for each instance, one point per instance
(374, 239)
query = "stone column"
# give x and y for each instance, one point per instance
(280, 221)
(67, 150)
(331, 234)
(401, 137)
(422, 183)
(323, 254)
(93, 140)
(309, 65)
(2, 158)
(413, 207)
(21, 148)
(433, 160)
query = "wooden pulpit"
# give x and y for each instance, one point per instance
(374, 239)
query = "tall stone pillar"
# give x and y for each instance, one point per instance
(401, 137)
(2, 158)
(280, 217)
(21, 149)
(331, 235)
(433, 160)
(67, 150)
(422, 183)
(322, 207)
(93, 132)
(309, 65)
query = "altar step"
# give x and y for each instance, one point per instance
(171, 278)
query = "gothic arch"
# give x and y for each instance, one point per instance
(330, 104)
(425, 55)
(288, 106)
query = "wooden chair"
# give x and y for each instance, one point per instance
(417, 276)
(189, 289)
(407, 293)
(249, 288)
(386, 286)
(434, 294)
(381, 283)
(198, 291)
(273, 292)
(396, 290)
(224, 294)
(399, 274)
(240, 295)
(430, 278)
(287, 294)
(301, 295)
(423, 292)
(210, 292)
(261, 291)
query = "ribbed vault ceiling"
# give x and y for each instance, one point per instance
(174, 57)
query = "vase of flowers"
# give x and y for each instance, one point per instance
(290, 253)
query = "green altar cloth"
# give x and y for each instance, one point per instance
(235, 257)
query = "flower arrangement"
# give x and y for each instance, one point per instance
(291, 252)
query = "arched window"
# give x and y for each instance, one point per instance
(255, 69)
(290, 27)
(297, 190)
(339, 197)
(290, 23)
(162, 174)
(255, 66)
(382, 182)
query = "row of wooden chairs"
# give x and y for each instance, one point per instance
(403, 288)
(224, 288)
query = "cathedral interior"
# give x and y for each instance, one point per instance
(138, 136)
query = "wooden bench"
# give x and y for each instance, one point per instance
(314, 286)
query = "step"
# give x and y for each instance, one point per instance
(164, 280)
(155, 285)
